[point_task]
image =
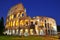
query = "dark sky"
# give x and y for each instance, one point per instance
(49, 8)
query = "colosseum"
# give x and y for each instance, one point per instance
(18, 23)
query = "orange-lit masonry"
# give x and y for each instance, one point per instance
(18, 23)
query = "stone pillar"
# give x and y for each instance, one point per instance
(42, 32)
(9, 32)
(16, 31)
(36, 29)
(31, 32)
(13, 31)
(21, 32)
(26, 32)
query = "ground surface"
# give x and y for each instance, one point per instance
(29, 38)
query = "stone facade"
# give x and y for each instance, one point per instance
(18, 23)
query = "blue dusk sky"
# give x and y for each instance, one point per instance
(49, 8)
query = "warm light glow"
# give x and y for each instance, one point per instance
(17, 23)
(13, 31)
(42, 24)
(31, 31)
(21, 14)
(9, 23)
(26, 21)
(16, 31)
(38, 20)
(26, 30)
(18, 14)
(12, 16)
(21, 22)
(13, 23)
(51, 25)
(21, 30)
(31, 20)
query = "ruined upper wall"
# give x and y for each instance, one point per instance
(16, 8)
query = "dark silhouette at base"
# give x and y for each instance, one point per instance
(1, 26)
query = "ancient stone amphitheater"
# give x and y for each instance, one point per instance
(18, 23)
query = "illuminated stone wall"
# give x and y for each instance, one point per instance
(18, 23)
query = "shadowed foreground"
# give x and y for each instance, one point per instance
(29, 38)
